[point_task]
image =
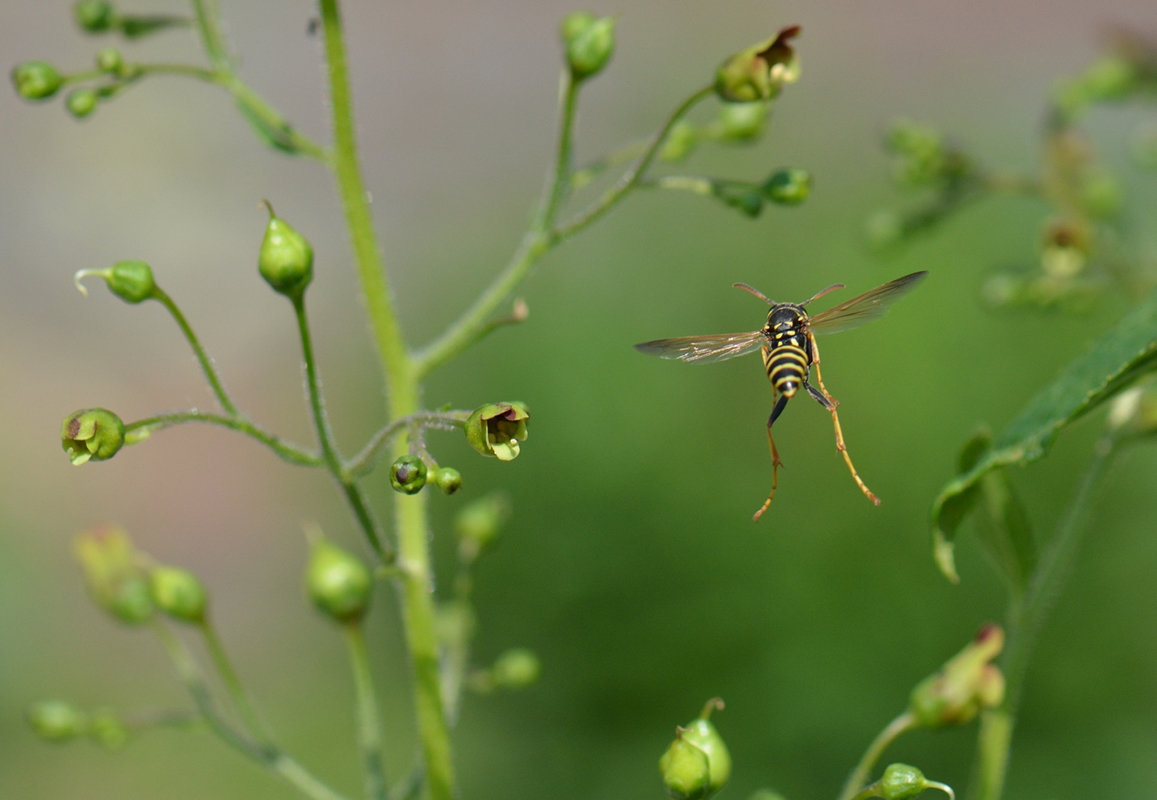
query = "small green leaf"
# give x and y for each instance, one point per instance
(277, 134)
(1112, 363)
(134, 26)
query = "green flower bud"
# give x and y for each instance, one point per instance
(788, 187)
(685, 770)
(131, 281)
(111, 571)
(178, 593)
(81, 102)
(94, 16)
(589, 42)
(743, 122)
(901, 782)
(338, 582)
(449, 480)
(108, 730)
(57, 720)
(286, 258)
(478, 523)
(109, 59)
(497, 429)
(760, 72)
(516, 669)
(92, 434)
(408, 474)
(967, 683)
(680, 141)
(36, 80)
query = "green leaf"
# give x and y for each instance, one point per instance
(276, 133)
(134, 26)
(1112, 363)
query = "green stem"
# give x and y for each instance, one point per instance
(1026, 619)
(860, 775)
(393, 358)
(267, 755)
(242, 702)
(369, 721)
(289, 452)
(558, 186)
(212, 35)
(631, 178)
(325, 436)
(202, 357)
(363, 462)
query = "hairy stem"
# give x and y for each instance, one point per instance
(289, 452)
(369, 720)
(202, 357)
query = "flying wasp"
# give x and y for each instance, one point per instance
(789, 349)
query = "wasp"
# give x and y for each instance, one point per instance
(789, 349)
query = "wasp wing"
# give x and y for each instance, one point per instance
(704, 349)
(864, 308)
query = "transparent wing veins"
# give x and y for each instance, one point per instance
(864, 308)
(704, 349)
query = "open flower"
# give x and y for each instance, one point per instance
(760, 71)
(497, 429)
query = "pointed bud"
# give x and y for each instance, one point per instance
(901, 782)
(498, 429)
(131, 281)
(967, 683)
(36, 80)
(743, 122)
(760, 72)
(81, 102)
(680, 141)
(94, 16)
(111, 570)
(589, 42)
(339, 583)
(57, 720)
(109, 59)
(408, 474)
(515, 669)
(286, 258)
(448, 479)
(683, 773)
(788, 187)
(178, 593)
(92, 434)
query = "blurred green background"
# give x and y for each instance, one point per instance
(631, 565)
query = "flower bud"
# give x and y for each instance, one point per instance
(57, 720)
(967, 683)
(901, 782)
(108, 730)
(92, 434)
(515, 669)
(788, 187)
(109, 59)
(338, 582)
(497, 429)
(94, 16)
(448, 479)
(111, 570)
(589, 42)
(743, 122)
(760, 72)
(408, 474)
(178, 593)
(680, 141)
(131, 281)
(478, 523)
(36, 80)
(81, 102)
(683, 773)
(286, 258)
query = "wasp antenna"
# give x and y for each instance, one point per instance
(754, 291)
(821, 293)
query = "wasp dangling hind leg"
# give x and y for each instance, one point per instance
(827, 401)
(775, 462)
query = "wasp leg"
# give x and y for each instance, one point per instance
(775, 462)
(830, 403)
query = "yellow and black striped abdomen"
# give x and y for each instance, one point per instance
(787, 367)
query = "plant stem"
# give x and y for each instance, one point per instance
(289, 452)
(267, 755)
(863, 769)
(242, 702)
(1027, 616)
(364, 461)
(212, 36)
(369, 721)
(202, 357)
(325, 436)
